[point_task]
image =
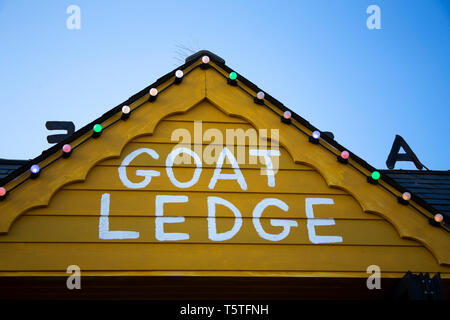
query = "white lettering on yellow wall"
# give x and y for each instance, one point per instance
(160, 220)
(103, 226)
(313, 222)
(212, 228)
(147, 174)
(169, 167)
(213, 202)
(286, 224)
(267, 154)
(237, 175)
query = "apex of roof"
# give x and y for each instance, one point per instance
(202, 53)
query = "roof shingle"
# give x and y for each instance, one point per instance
(431, 186)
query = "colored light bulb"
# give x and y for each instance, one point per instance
(205, 59)
(35, 169)
(66, 148)
(345, 154)
(98, 128)
(260, 95)
(287, 115)
(153, 92)
(406, 196)
(438, 218)
(316, 134)
(2, 192)
(179, 74)
(376, 175)
(126, 109)
(233, 75)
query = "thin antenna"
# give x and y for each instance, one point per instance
(183, 51)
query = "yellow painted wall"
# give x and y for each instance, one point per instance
(47, 239)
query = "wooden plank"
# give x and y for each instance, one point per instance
(208, 153)
(205, 112)
(286, 181)
(185, 257)
(142, 203)
(170, 132)
(86, 229)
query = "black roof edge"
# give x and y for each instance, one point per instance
(201, 53)
(425, 172)
(189, 61)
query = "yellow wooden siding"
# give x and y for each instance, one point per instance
(213, 256)
(131, 203)
(204, 112)
(85, 229)
(251, 162)
(288, 181)
(48, 239)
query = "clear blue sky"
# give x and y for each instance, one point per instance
(317, 57)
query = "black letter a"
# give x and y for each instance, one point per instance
(394, 156)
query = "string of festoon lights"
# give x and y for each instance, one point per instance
(97, 130)
(314, 138)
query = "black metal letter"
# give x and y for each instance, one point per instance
(395, 156)
(59, 125)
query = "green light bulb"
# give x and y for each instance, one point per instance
(233, 76)
(98, 128)
(376, 175)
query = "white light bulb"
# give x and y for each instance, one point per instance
(406, 196)
(153, 92)
(179, 74)
(287, 115)
(126, 109)
(438, 217)
(205, 59)
(260, 95)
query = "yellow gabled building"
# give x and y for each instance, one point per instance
(206, 188)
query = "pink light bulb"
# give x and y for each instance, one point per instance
(345, 154)
(66, 148)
